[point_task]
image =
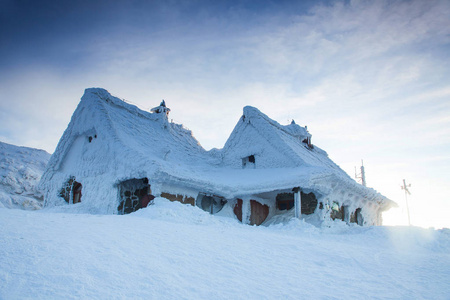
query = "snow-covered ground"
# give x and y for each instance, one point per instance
(21, 169)
(174, 251)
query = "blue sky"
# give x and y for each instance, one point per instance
(369, 78)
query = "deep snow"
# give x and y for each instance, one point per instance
(174, 251)
(21, 169)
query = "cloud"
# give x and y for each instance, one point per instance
(333, 60)
(36, 106)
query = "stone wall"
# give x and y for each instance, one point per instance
(180, 198)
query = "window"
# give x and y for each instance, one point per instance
(285, 201)
(248, 162)
(71, 191)
(337, 212)
(210, 203)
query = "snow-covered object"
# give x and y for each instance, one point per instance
(118, 152)
(20, 171)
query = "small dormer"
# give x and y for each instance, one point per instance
(307, 140)
(161, 109)
(248, 162)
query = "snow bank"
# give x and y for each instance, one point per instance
(21, 169)
(176, 212)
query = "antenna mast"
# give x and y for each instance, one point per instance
(362, 175)
(405, 187)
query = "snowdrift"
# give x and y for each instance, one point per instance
(21, 169)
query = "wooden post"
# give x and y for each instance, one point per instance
(297, 202)
(71, 195)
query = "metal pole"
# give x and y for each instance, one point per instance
(405, 187)
(363, 174)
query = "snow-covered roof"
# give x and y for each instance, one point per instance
(127, 142)
(281, 146)
(125, 135)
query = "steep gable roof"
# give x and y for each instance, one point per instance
(124, 135)
(284, 146)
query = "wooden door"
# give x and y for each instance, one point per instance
(238, 209)
(259, 212)
(77, 192)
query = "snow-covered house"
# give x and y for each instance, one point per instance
(114, 158)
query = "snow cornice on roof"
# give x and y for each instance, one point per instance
(292, 129)
(95, 94)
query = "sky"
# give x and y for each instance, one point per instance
(370, 79)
